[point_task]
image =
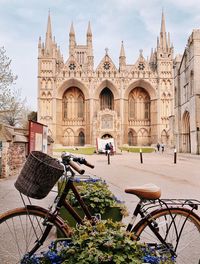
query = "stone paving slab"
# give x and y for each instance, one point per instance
(181, 180)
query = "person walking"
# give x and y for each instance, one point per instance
(158, 147)
(107, 148)
(162, 147)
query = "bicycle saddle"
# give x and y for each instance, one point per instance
(147, 191)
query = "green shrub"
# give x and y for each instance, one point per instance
(97, 196)
(104, 242)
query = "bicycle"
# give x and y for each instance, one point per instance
(166, 224)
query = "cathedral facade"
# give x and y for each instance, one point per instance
(131, 103)
(187, 96)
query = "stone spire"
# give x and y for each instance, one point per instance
(122, 58)
(89, 31)
(72, 40)
(163, 35)
(48, 41)
(72, 32)
(89, 38)
(90, 57)
(122, 52)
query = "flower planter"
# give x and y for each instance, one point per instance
(113, 213)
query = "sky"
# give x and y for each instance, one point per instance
(135, 22)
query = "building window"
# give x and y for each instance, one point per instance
(81, 139)
(80, 102)
(73, 104)
(106, 99)
(139, 104)
(132, 108)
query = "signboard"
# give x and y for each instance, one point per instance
(37, 137)
(101, 144)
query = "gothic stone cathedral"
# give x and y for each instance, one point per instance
(80, 103)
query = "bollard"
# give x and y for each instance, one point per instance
(175, 156)
(141, 159)
(108, 158)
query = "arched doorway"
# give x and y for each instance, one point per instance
(81, 139)
(186, 141)
(106, 99)
(106, 136)
(132, 138)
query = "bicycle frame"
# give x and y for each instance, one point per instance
(143, 208)
(63, 202)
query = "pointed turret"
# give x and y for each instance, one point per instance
(89, 31)
(90, 58)
(122, 52)
(72, 40)
(89, 39)
(39, 43)
(72, 32)
(39, 47)
(122, 58)
(163, 35)
(48, 41)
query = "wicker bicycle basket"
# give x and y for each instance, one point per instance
(39, 175)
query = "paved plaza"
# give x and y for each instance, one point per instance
(180, 180)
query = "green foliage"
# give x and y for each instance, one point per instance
(104, 242)
(137, 150)
(97, 196)
(77, 150)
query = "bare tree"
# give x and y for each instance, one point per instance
(14, 110)
(12, 106)
(7, 78)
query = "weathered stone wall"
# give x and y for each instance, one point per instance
(13, 158)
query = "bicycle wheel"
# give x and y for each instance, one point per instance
(21, 228)
(178, 222)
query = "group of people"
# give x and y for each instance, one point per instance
(160, 146)
(109, 148)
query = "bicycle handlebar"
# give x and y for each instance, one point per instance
(69, 159)
(76, 167)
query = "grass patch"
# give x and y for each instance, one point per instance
(84, 151)
(137, 149)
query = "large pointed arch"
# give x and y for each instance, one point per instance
(108, 84)
(72, 83)
(141, 83)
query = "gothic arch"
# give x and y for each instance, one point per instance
(143, 137)
(68, 137)
(141, 83)
(73, 104)
(80, 137)
(139, 104)
(106, 99)
(164, 137)
(108, 84)
(186, 139)
(72, 83)
(132, 137)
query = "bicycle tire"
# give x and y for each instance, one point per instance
(20, 228)
(188, 247)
